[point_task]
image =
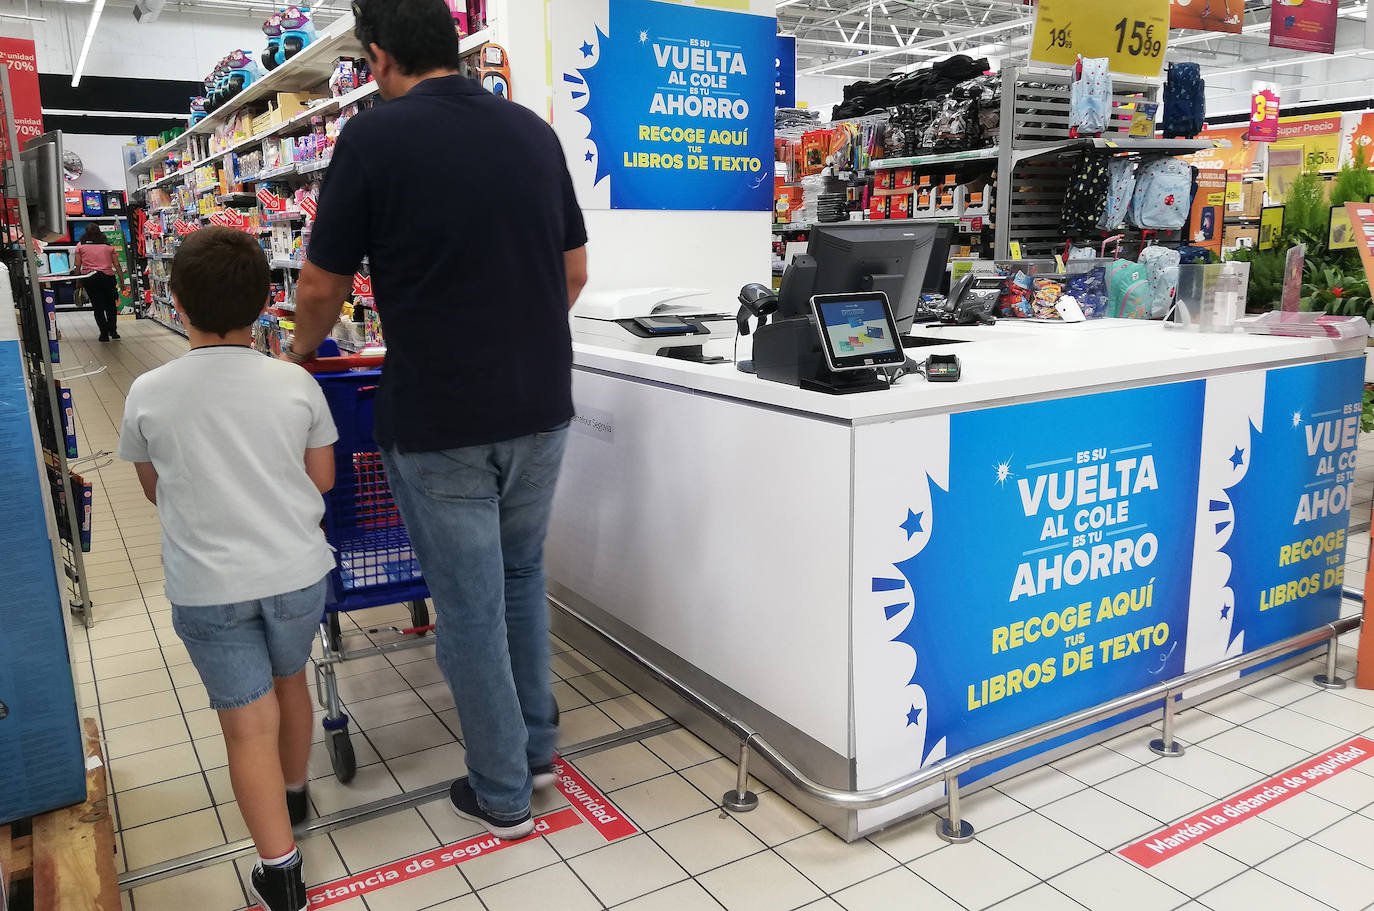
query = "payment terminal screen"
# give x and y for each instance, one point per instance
(857, 328)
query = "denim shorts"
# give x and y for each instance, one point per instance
(239, 648)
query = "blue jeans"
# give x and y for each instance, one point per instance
(477, 518)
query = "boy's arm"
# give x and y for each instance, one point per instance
(147, 476)
(319, 465)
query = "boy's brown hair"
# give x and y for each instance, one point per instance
(221, 278)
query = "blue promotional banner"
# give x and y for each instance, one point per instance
(1078, 518)
(1291, 504)
(786, 86)
(676, 103)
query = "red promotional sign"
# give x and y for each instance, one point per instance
(362, 287)
(1303, 25)
(184, 227)
(271, 201)
(21, 59)
(1160, 846)
(1264, 117)
(309, 207)
(232, 219)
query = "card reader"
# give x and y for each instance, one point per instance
(943, 368)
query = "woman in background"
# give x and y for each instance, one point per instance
(94, 254)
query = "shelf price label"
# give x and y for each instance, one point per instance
(1135, 43)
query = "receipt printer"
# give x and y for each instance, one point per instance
(661, 321)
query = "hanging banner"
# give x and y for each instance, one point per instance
(785, 88)
(1209, 208)
(1264, 116)
(662, 106)
(20, 57)
(1134, 43)
(1208, 15)
(1303, 25)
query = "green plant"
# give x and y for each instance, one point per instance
(1367, 416)
(1355, 182)
(1337, 293)
(1266, 276)
(1307, 215)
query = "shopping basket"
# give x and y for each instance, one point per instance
(374, 562)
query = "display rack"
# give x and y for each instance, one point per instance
(37, 336)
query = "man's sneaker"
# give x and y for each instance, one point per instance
(463, 800)
(279, 888)
(543, 777)
(298, 805)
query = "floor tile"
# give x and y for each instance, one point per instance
(427, 767)
(532, 892)
(1348, 789)
(660, 801)
(131, 685)
(215, 889)
(1043, 897)
(622, 766)
(570, 664)
(449, 826)
(581, 725)
(1208, 772)
(680, 749)
(899, 888)
(1333, 708)
(716, 777)
(687, 895)
(567, 697)
(424, 891)
(372, 783)
(377, 841)
(1110, 882)
(1195, 725)
(508, 863)
(410, 736)
(1280, 690)
(1040, 786)
(1040, 845)
(1258, 751)
(1237, 707)
(1324, 875)
(384, 710)
(833, 865)
(1103, 820)
(159, 841)
(1253, 890)
(1254, 842)
(631, 711)
(987, 808)
(1197, 870)
(1155, 793)
(149, 735)
(1352, 837)
(775, 820)
(153, 766)
(1095, 764)
(598, 687)
(131, 663)
(211, 751)
(764, 882)
(1305, 814)
(972, 874)
(163, 800)
(360, 687)
(1299, 730)
(708, 840)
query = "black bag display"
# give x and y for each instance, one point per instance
(1085, 200)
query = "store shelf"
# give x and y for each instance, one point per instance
(272, 173)
(883, 164)
(313, 167)
(228, 199)
(108, 219)
(290, 264)
(1028, 150)
(283, 218)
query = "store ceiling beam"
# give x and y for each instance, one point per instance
(922, 45)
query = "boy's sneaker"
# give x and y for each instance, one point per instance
(463, 800)
(279, 888)
(543, 777)
(298, 805)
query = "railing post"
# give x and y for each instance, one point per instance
(956, 830)
(1331, 680)
(1167, 746)
(741, 799)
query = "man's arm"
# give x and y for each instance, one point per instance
(320, 297)
(319, 465)
(576, 264)
(147, 476)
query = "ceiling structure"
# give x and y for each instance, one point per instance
(857, 39)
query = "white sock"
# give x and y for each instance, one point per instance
(285, 860)
(297, 788)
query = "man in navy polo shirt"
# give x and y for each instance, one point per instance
(462, 204)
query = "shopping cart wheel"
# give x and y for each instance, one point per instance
(419, 613)
(341, 756)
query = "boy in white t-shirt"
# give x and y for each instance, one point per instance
(236, 448)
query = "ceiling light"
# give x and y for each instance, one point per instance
(86, 45)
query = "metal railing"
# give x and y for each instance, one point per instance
(955, 828)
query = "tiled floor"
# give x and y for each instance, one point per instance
(1045, 838)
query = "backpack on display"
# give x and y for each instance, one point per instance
(1090, 290)
(1163, 195)
(1185, 101)
(1128, 286)
(1090, 98)
(1195, 256)
(1120, 189)
(1161, 265)
(1085, 198)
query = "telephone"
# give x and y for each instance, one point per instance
(974, 300)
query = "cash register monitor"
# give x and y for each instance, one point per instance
(858, 331)
(895, 259)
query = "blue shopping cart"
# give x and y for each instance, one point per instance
(374, 563)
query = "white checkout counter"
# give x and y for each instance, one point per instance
(879, 581)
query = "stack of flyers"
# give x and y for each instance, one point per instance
(86, 492)
(64, 397)
(50, 308)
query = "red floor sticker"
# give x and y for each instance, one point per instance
(589, 802)
(1175, 839)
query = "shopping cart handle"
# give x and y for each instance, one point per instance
(343, 364)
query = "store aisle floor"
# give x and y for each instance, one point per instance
(1046, 839)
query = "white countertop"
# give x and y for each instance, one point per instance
(1006, 363)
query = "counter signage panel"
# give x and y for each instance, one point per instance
(662, 106)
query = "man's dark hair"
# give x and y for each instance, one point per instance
(420, 34)
(221, 278)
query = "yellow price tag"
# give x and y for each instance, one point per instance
(1216, 199)
(1133, 38)
(1016, 249)
(1235, 193)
